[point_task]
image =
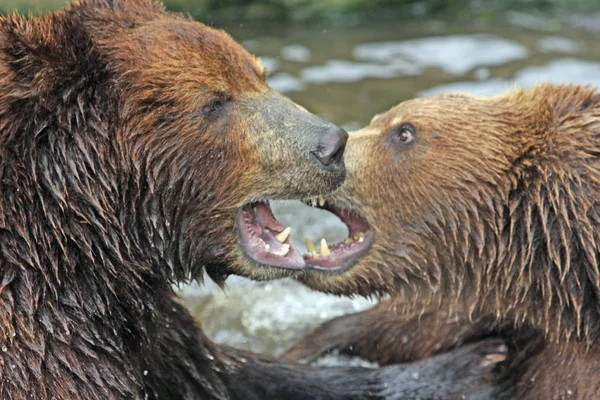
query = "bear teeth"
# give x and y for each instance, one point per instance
(283, 235)
(320, 201)
(324, 248)
(285, 248)
(310, 246)
(359, 237)
(312, 250)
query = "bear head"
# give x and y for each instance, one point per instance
(490, 203)
(133, 136)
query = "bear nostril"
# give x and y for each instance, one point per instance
(330, 150)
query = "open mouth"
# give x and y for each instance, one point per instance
(267, 241)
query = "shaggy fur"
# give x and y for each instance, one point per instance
(491, 215)
(130, 138)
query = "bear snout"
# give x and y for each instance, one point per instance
(330, 151)
(303, 153)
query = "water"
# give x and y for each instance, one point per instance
(347, 75)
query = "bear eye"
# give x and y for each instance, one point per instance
(405, 134)
(214, 105)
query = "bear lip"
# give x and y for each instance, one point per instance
(265, 241)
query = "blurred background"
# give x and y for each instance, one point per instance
(347, 60)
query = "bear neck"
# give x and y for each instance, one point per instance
(77, 236)
(526, 246)
(529, 260)
(528, 253)
(547, 263)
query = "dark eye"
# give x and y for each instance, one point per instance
(405, 134)
(214, 105)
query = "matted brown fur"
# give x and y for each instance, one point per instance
(130, 137)
(492, 214)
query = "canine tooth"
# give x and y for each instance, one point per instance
(321, 201)
(361, 239)
(324, 249)
(285, 248)
(283, 235)
(314, 202)
(310, 246)
(359, 236)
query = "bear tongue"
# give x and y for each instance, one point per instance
(270, 230)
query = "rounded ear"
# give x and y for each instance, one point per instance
(120, 5)
(51, 72)
(545, 107)
(47, 52)
(108, 4)
(549, 122)
(565, 100)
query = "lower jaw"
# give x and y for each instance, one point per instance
(325, 265)
(343, 264)
(292, 271)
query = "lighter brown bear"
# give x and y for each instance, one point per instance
(484, 221)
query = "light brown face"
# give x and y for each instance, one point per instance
(415, 174)
(212, 143)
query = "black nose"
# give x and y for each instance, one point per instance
(330, 150)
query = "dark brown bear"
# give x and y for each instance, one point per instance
(485, 220)
(138, 150)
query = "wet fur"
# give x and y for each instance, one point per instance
(491, 215)
(115, 185)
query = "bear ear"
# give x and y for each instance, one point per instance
(109, 4)
(119, 5)
(550, 105)
(48, 52)
(22, 43)
(563, 100)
